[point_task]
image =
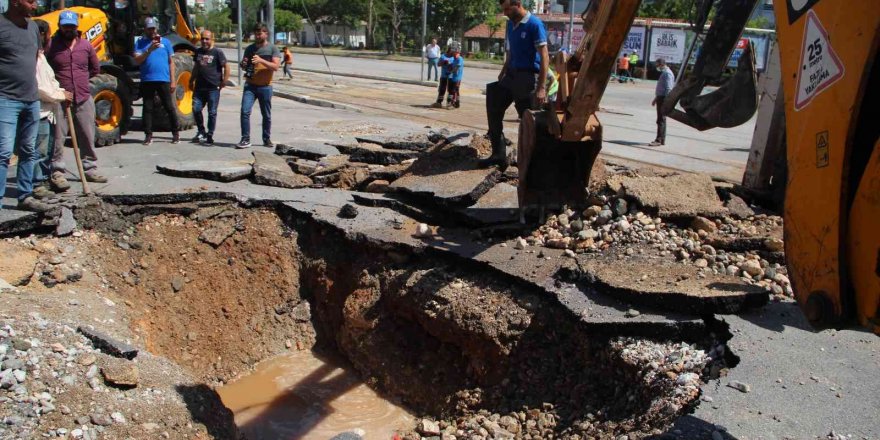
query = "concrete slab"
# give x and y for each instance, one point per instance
(221, 171)
(375, 154)
(498, 205)
(676, 195)
(13, 221)
(310, 151)
(457, 188)
(413, 142)
(273, 170)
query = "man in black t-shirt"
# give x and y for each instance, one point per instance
(210, 73)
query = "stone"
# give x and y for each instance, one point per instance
(620, 207)
(704, 224)
(7, 379)
(107, 344)
(304, 167)
(118, 418)
(632, 313)
(66, 223)
(272, 170)
(120, 373)
(592, 211)
(101, 419)
(217, 233)
(774, 245)
(310, 151)
(217, 170)
(21, 344)
(577, 225)
(348, 211)
(701, 263)
(377, 186)
(623, 225)
(428, 427)
(604, 217)
(674, 195)
(738, 208)
(520, 244)
(177, 283)
(740, 386)
(87, 359)
(752, 267)
(4, 285)
(423, 231)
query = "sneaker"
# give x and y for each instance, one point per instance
(42, 191)
(437, 105)
(268, 143)
(148, 140)
(244, 143)
(58, 182)
(31, 203)
(209, 140)
(656, 144)
(456, 104)
(93, 176)
(198, 139)
(175, 138)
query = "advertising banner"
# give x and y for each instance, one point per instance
(668, 44)
(635, 42)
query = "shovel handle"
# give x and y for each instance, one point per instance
(79, 165)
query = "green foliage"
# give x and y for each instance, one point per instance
(495, 23)
(760, 23)
(217, 20)
(286, 21)
(678, 9)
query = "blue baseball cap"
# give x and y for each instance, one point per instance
(68, 18)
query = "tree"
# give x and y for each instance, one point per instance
(494, 23)
(678, 9)
(286, 21)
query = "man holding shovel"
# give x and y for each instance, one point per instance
(75, 62)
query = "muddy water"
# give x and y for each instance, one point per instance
(305, 395)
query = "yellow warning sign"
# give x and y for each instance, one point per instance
(822, 153)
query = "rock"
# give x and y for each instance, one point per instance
(632, 313)
(701, 263)
(704, 224)
(120, 373)
(108, 344)
(604, 217)
(592, 211)
(563, 220)
(620, 207)
(738, 208)
(623, 225)
(428, 427)
(377, 186)
(423, 231)
(217, 233)
(733, 270)
(752, 267)
(774, 245)
(347, 436)
(19, 375)
(348, 211)
(117, 418)
(740, 386)
(66, 223)
(7, 379)
(577, 225)
(101, 419)
(272, 170)
(520, 244)
(177, 283)
(218, 170)
(5, 285)
(304, 167)
(76, 433)
(21, 344)
(13, 420)
(569, 253)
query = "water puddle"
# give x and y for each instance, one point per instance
(305, 395)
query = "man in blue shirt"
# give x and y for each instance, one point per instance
(664, 85)
(452, 65)
(523, 77)
(153, 53)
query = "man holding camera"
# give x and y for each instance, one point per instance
(260, 62)
(154, 55)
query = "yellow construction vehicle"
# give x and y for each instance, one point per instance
(112, 26)
(828, 51)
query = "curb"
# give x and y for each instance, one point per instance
(431, 84)
(305, 99)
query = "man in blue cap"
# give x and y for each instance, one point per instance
(74, 61)
(154, 54)
(523, 78)
(19, 99)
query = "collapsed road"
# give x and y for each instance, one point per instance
(125, 314)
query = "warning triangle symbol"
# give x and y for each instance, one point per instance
(819, 67)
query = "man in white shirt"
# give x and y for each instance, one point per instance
(51, 97)
(432, 54)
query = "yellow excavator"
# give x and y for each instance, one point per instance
(830, 77)
(112, 26)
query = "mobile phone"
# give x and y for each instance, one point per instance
(157, 38)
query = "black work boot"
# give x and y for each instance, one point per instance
(498, 157)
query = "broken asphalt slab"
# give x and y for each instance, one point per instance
(108, 344)
(417, 142)
(672, 196)
(459, 188)
(375, 154)
(309, 151)
(217, 170)
(498, 205)
(13, 221)
(273, 170)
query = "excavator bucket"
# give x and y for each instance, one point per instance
(736, 101)
(557, 149)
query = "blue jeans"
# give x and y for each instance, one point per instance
(46, 148)
(432, 64)
(19, 122)
(200, 98)
(264, 95)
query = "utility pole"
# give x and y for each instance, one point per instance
(238, 39)
(270, 19)
(570, 25)
(424, 31)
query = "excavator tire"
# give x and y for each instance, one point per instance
(183, 68)
(112, 108)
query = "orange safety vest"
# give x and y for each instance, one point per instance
(623, 63)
